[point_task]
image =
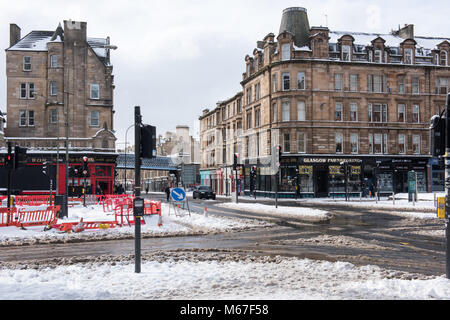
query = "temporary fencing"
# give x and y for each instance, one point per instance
(33, 200)
(28, 217)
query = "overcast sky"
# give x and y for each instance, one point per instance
(178, 57)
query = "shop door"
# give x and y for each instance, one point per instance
(322, 182)
(401, 182)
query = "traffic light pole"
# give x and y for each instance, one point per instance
(9, 177)
(137, 186)
(447, 186)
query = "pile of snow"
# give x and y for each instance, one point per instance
(241, 278)
(282, 211)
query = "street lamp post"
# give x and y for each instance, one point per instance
(126, 133)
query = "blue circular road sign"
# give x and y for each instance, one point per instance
(178, 194)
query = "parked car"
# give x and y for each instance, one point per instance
(203, 192)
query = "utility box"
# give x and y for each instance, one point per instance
(441, 207)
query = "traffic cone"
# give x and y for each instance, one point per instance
(79, 227)
(160, 221)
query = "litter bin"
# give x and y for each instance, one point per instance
(60, 201)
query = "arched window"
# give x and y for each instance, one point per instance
(444, 58)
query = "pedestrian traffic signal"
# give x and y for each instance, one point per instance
(235, 160)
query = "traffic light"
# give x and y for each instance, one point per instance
(235, 160)
(45, 168)
(279, 153)
(9, 160)
(20, 157)
(148, 141)
(85, 169)
(437, 135)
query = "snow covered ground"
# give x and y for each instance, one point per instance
(193, 275)
(172, 225)
(227, 277)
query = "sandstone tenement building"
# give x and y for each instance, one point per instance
(55, 76)
(340, 103)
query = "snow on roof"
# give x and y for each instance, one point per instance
(34, 41)
(38, 40)
(392, 40)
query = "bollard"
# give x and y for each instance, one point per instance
(205, 212)
(393, 198)
(414, 199)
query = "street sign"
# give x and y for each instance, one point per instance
(178, 194)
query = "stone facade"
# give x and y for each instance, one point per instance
(65, 70)
(342, 95)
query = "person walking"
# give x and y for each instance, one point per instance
(167, 192)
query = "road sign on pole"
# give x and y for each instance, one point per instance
(178, 195)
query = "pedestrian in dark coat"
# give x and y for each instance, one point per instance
(167, 193)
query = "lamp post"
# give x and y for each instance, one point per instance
(126, 133)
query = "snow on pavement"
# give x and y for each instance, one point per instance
(191, 278)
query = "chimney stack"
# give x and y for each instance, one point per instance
(14, 34)
(295, 20)
(407, 32)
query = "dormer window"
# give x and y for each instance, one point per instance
(378, 56)
(286, 51)
(408, 56)
(345, 54)
(444, 58)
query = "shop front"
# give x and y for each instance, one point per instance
(33, 179)
(345, 176)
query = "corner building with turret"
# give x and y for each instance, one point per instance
(350, 110)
